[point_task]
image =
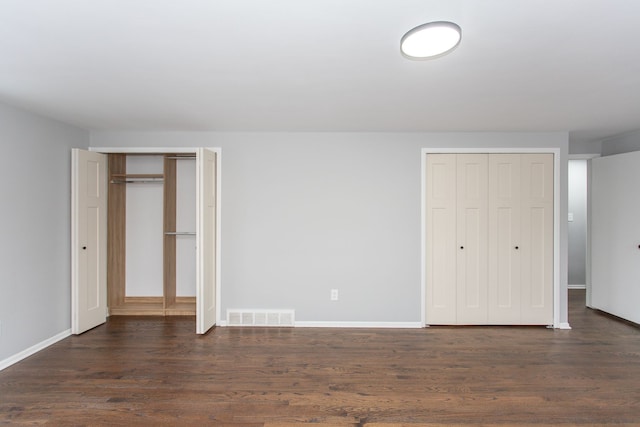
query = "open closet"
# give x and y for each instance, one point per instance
(144, 241)
(144, 234)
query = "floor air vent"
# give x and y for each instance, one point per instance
(260, 317)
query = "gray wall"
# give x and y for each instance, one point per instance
(577, 228)
(303, 213)
(585, 147)
(35, 289)
(621, 144)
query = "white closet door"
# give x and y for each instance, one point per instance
(440, 239)
(471, 209)
(504, 239)
(88, 240)
(615, 244)
(537, 239)
(206, 170)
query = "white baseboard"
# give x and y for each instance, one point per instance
(33, 349)
(563, 325)
(373, 325)
(576, 286)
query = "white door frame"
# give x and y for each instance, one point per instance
(588, 158)
(556, 219)
(194, 150)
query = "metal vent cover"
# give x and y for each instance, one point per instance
(252, 317)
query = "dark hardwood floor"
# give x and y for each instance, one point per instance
(153, 371)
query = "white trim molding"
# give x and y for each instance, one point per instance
(11, 360)
(344, 325)
(372, 325)
(148, 150)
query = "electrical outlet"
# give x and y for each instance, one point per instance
(334, 295)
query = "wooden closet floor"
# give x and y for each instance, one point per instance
(153, 371)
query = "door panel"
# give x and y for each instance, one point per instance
(615, 256)
(537, 239)
(88, 240)
(472, 287)
(442, 264)
(92, 263)
(504, 237)
(440, 240)
(206, 229)
(507, 277)
(471, 192)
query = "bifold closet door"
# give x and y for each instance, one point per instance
(504, 239)
(537, 239)
(206, 229)
(88, 240)
(456, 241)
(471, 231)
(521, 239)
(441, 251)
(489, 239)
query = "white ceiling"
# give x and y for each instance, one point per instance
(323, 65)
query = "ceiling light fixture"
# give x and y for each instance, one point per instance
(430, 40)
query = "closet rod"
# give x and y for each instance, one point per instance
(138, 181)
(181, 158)
(180, 233)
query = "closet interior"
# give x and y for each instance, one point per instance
(151, 238)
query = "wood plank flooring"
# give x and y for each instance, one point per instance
(156, 371)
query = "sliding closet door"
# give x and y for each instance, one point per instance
(88, 240)
(206, 170)
(471, 278)
(537, 239)
(441, 249)
(504, 239)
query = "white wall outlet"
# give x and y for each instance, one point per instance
(334, 295)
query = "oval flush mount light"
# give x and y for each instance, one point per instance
(430, 40)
